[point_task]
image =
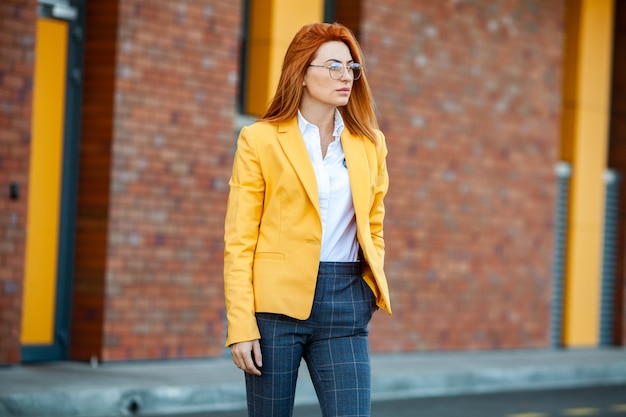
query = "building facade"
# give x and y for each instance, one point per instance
(118, 122)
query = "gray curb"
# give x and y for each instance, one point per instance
(170, 388)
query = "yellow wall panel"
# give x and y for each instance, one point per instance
(44, 182)
(570, 77)
(589, 114)
(258, 62)
(272, 26)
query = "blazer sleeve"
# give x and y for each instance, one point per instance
(241, 228)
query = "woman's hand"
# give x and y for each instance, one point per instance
(247, 356)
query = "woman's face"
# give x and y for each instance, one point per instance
(319, 87)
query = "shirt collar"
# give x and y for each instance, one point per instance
(304, 124)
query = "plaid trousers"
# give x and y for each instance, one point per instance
(333, 341)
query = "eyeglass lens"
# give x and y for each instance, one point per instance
(337, 69)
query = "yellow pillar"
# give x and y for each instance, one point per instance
(272, 26)
(586, 114)
(40, 276)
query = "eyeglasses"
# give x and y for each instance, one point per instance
(337, 69)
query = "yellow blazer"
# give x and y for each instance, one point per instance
(273, 231)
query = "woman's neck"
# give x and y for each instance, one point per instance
(324, 118)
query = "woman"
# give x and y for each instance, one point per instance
(304, 249)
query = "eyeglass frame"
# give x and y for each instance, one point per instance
(343, 71)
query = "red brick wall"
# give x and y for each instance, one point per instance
(94, 183)
(468, 95)
(17, 42)
(348, 13)
(171, 152)
(469, 99)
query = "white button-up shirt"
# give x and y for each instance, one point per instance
(339, 242)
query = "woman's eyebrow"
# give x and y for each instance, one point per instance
(338, 60)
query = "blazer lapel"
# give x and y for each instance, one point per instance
(358, 171)
(294, 148)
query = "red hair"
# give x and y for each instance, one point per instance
(358, 115)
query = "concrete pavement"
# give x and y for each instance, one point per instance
(174, 387)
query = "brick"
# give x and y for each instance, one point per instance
(464, 224)
(468, 95)
(18, 26)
